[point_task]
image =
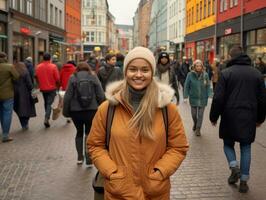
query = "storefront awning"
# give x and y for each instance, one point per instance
(60, 42)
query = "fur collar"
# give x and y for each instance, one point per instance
(165, 95)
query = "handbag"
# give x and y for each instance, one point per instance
(34, 97)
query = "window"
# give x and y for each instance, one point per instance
(209, 7)
(261, 36)
(205, 9)
(87, 36)
(231, 3)
(213, 6)
(51, 14)
(192, 16)
(43, 10)
(87, 3)
(200, 11)
(92, 36)
(223, 5)
(56, 16)
(21, 6)
(235, 2)
(60, 18)
(14, 4)
(197, 12)
(29, 7)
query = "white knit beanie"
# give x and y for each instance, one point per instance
(140, 52)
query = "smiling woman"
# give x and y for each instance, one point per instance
(138, 129)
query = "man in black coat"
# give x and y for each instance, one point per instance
(239, 99)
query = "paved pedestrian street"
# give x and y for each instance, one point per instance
(40, 164)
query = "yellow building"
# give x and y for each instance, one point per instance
(200, 14)
(200, 21)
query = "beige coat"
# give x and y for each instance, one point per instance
(129, 165)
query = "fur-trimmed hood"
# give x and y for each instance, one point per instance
(165, 95)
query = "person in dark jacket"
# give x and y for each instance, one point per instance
(23, 102)
(120, 60)
(166, 72)
(109, 72)
(30, 67)
(239, 99)
(183, 71)
(82, 116)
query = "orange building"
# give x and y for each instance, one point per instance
(73, 29)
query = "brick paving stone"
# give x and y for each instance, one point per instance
(40, 164)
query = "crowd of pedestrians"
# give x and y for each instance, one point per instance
(147, 141)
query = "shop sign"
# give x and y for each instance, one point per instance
(25, 30)
(228, 31)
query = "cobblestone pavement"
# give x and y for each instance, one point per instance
(40, 164)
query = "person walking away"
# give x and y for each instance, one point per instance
(166, 73)
(67, 70)
(215, 72)
(142, 155)
(239, 100)
(260, 65)
(197, 89)
(48, 79)
(56, 61)
(109, 72)
(83, 96)
(23, 102)
(183, 71)
(120, 60)
(30, 68)
(8, 75)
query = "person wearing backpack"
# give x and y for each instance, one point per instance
(141, 154)
(82, 97)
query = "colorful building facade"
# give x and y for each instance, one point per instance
(242, 23)
(73, 29)
(200, 28)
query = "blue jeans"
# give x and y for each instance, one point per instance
(245, 157)
(6, 110)
(48, 101)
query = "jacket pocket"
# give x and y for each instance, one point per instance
(116, 184)
(154, 183)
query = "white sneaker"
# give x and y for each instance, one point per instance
(79, 162)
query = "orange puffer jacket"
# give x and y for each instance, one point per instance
(129, 165)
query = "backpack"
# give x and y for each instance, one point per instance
(98, 180)
(84, 90)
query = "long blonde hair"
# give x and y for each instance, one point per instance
(142, 120)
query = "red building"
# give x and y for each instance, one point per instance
(73, 29)
(241, 22)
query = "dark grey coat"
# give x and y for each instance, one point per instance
(71, 103)
(23, 104)
(108, 74)
(239, 99)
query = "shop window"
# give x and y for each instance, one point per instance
(251, 38)
(261, 36)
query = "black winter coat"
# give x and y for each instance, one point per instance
(23, 104)
(240, 100)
